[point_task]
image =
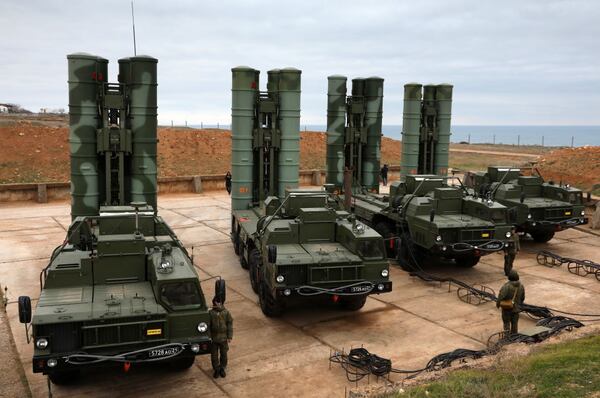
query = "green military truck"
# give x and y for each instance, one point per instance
(422, 210)
(121, 288)
(295, 243)
(537, 207)
(434, 219)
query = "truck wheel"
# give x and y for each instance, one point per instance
(409, 256)
(542, 236)
(64, 377)
(243, 261)
(182, 363)
(269, 305)
(254, 259)
(386, 230)
(353, 303)
(467, 261)
(236, 243)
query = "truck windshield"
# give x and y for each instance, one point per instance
(575, 198)
(181, 295)
(499, 216)
(371, 249)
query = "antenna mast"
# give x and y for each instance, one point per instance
(133, 23)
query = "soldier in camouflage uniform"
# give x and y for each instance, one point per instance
(221, 330)
(515, 291)
(511, 253)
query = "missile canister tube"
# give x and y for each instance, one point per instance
(243, 99)
(289, 114)
(373, 119)
(140, 74)
(86, 72)
(336, 119)
(411, 126)
(443, 97)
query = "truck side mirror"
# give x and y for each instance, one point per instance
(24, 309)
(220, 291)
(432, 215)
(272, 254)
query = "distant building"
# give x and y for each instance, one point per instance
(4, 108)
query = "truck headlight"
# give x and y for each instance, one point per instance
(385, 273)
(280, 279)
(52, 362)
(438, 238)
(41, 343)
(508, 234)
(380, 287)
(529, 217)
(202, 327)
(582, 212)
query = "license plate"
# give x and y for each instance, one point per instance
(356, 289)
(493, 246)
(164, 352)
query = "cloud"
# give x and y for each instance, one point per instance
(511, 62)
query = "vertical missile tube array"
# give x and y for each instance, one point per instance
(85, 73)
(373, 120)
(243, 101)
(411, 127)
(443, 99)
(139, 74)
(289, 123)
(336, 122)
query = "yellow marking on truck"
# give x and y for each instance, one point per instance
(485, 235)
(567, 213)
(153, 332)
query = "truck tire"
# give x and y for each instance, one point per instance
(542, 236)
(409, 256)
(236, 242)
(353, 303)
(386, 230)
(467, 261)
(269, 305)
(24, 309)
(241, 250)
(254, 268)
(64, 377)
(183, 363)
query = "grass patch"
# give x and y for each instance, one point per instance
(564, 370)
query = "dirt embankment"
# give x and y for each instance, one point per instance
(38, 151)
(579, 167)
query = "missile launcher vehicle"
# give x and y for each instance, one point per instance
(428, 215)
(295, 242)
(121, 288)
(536, 207)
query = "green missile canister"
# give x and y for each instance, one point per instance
(86, 74)
(139, 73)
(289, 123)
(373, 119)
(443, 98)
(243, 98)
(411, 126)
(336, 121)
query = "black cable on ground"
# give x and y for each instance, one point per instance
(359, 362)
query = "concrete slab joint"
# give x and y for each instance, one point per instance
(42, 193)
(197, 181)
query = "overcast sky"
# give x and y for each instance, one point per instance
(511, 62)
